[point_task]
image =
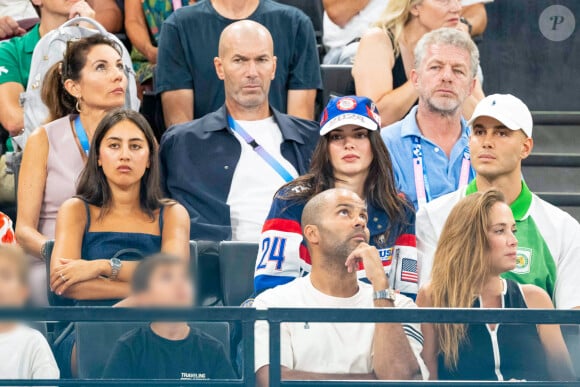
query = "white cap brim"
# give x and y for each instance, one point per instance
(503, 118)
(348, 119)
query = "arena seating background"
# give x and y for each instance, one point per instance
(516, 59)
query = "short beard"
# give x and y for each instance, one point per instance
(445, 112)
(336, 255)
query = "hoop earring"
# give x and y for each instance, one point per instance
(78, 105)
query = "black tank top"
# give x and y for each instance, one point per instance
(399, 75)
(398, 71)
(520, 354)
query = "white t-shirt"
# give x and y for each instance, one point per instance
(337, 37)
(17, 9)
(465, 3)
(255, 182)
(25, 354)
(335, 348)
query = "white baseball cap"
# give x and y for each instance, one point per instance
(507, 109)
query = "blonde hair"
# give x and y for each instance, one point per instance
(395, 16)
(460, 265)
(15, 255)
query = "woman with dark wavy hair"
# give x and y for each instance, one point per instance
(118, 216)
(350, 154)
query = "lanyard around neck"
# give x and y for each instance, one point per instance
(82, 135)
(422, 186)
(263, 153)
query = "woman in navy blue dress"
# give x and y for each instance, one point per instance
(118, 216)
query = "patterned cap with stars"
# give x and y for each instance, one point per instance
(349, 110)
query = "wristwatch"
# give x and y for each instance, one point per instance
(115, 268)
(467, 23)
(387, 294)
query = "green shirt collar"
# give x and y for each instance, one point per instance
(31, 38)
(519, 207)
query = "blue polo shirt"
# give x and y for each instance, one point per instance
(442, 172)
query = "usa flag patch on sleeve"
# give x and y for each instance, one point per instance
(409, 270)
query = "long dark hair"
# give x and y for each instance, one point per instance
(54, 95)
(93, 186)
(379, 187)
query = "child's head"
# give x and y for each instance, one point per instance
(13, 276)
(162, 280)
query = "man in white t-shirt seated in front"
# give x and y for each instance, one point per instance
(347, 20)
(334, 227)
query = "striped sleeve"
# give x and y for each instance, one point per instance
(282, 255)
(414, 335)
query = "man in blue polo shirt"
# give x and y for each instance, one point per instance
(429, 147)
(185, 77)
(226, 166)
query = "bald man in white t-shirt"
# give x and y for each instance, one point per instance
(334, 227)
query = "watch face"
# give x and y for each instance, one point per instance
(115, 261)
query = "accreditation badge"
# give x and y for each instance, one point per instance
(523, 261)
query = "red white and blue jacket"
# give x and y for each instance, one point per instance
(283, 256)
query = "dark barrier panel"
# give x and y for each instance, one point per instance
(275, 317)
(533, 54)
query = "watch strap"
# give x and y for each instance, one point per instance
(387, 294)
(115, 268)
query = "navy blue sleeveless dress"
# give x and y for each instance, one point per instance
(511, 351)
(127, 246)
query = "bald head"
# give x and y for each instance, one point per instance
(333, 225)
(244, 31)
(315, 210)
(247, 65)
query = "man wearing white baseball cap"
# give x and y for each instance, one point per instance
(548, 243)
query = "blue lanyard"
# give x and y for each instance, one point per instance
(82, 135)
(264, 154)
(422, 186)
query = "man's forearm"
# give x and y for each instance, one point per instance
(393, 356)
(341, 12)
(177, 106)
(301, 103)
(288, 374)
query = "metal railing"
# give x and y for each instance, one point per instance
(275, 317)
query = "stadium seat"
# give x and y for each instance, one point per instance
(314, 9)
(337, 81)
(152, 110)
(95, 341)
(206, 273)
(237, 262)
(53, 299)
